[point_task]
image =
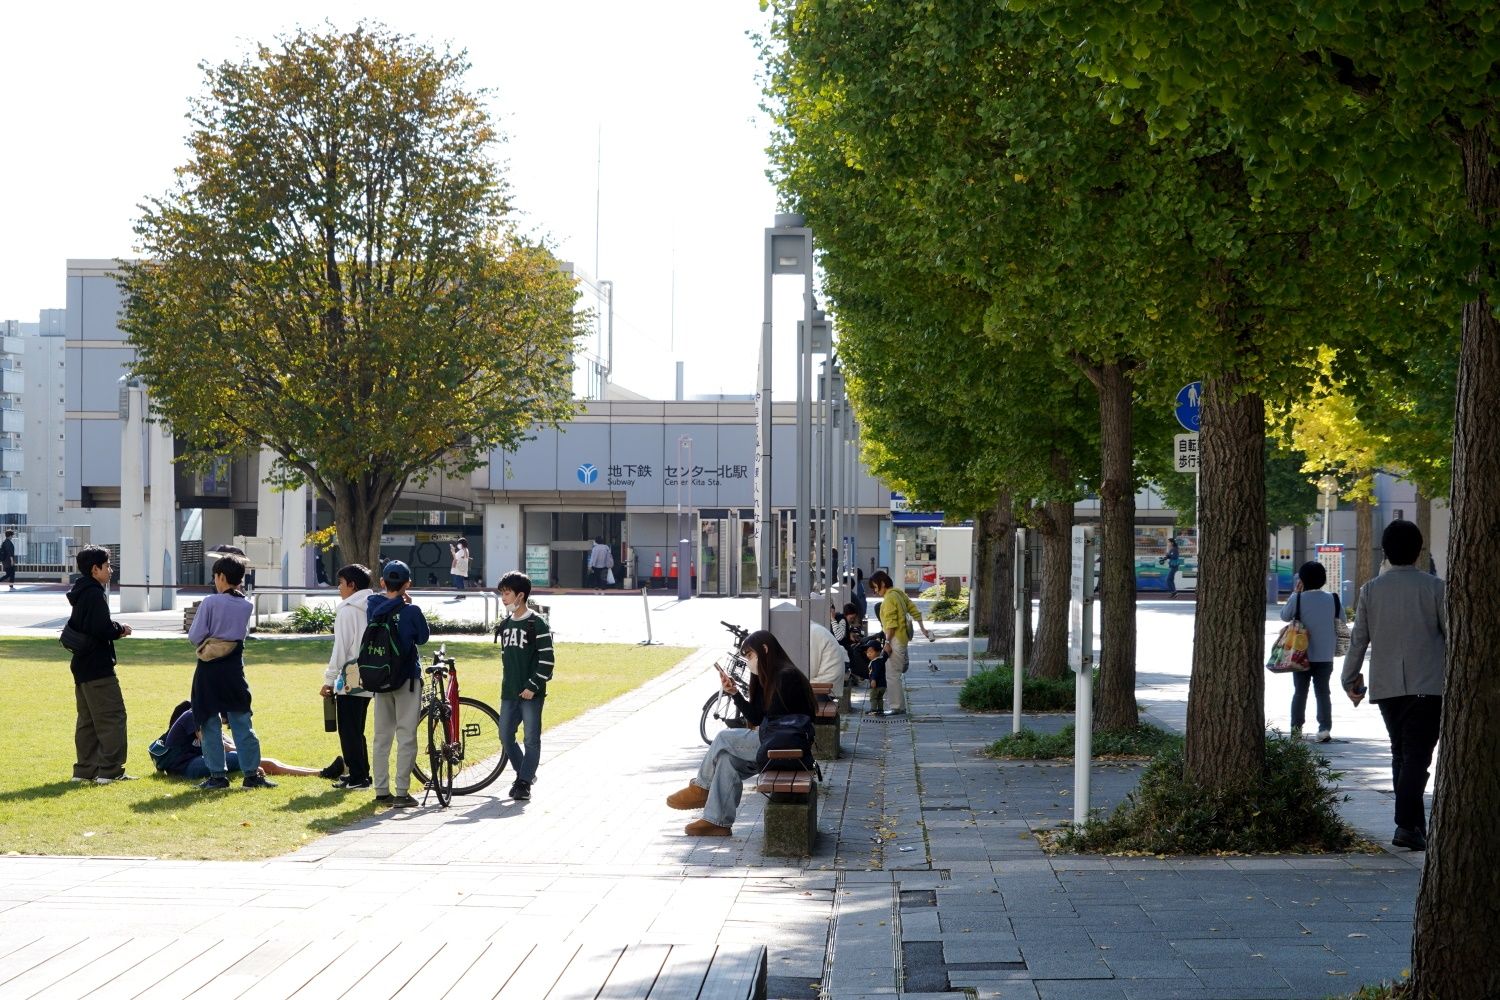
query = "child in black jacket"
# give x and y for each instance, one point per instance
(99, 737)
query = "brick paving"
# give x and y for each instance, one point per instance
(926, 882)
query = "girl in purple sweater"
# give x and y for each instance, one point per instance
(219, 685)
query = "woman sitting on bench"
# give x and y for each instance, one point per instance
(777, 688)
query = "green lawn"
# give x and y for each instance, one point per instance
(42, 812)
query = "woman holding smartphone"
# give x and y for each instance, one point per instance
(777, 688)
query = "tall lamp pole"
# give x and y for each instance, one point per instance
(788, 251)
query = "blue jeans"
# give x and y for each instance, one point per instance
(1317, 675)
(197, 768)
(245, 741)
(522, 712)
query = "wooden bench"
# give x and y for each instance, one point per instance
(826, 724)
(791, 821)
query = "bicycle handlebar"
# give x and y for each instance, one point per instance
(739, 633)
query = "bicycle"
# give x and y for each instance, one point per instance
(464, 750)
(720, 711)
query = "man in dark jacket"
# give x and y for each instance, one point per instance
(8, 558)
(99, 736)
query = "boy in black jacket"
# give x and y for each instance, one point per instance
(99, 736)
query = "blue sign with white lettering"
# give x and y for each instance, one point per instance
(1189, 399)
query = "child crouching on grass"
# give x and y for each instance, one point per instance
(219, 684)
(526, 667)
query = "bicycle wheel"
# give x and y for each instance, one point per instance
(478, 757)
(439, 758)
(719, 713)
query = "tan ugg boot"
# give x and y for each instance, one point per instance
(691, 797)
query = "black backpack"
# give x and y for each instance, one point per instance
(381, 665)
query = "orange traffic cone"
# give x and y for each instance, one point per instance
(672, 571)
(656, 567)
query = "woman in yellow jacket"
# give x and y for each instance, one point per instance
(895, 607)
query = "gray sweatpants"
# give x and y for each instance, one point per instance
(895, 667)
(729, 761)
(396, 714)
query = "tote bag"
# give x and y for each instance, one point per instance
(1289, 651)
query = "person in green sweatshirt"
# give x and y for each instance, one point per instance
(526, 666)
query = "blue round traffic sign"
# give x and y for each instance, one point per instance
(1189, 400)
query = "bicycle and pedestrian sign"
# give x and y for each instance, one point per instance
(1189, 400)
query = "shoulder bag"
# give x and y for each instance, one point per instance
(1341, 631)
(785, 732)
(75, 641)
(1289, 651)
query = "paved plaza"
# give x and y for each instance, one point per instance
(927, 880)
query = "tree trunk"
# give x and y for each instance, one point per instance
(994, 612)
(1364, 549)
(1424, 525)
(359, 513)
(1049, 657)
(1115, 708)
(1226, 712)
(1458, 906)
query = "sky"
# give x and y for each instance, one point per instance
(659, 103)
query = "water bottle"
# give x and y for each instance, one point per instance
(330, 716)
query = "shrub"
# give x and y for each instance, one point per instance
(949, 609)
(1028, 744)
(308, 619)
(1291, 808)
(989, 690)
(438, 625)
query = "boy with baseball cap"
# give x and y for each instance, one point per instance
(397, 711)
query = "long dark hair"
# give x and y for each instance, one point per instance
(182, 706)
(770, 660)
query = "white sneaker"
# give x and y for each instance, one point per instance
(1324, 736)
(111, 781)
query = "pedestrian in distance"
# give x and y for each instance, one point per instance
(1317, 609)
(777, 689)
(458, 568)
(220, 688)
(1402, 622)
(8, 558)
(99, 734)
(601, 562)
(857, 593)
(526, 665)
(849, 630)
(341, 678)
(1172, 560)
(896, 614)
(397, 707)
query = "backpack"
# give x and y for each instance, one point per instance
(382, 667)
(159, 752)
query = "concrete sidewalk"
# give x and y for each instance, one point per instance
(926, 880)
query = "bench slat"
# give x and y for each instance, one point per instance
(683, 973)
(737, 973)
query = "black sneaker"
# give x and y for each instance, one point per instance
(334, 770)
(403, 802)
(213, 781)
(384, 800)
(257, 780)
(521, 790)
(347, 782)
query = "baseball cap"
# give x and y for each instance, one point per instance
(396, 573)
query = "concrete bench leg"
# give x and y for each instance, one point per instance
(791, 825)
(845, 702)
(826, 741)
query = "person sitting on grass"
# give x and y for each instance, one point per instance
(179, 752)
(219, 684)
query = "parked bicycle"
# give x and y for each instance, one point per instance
(464, 753)
(720, 711)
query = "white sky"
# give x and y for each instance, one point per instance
(92, 99)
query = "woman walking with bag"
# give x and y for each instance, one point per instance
(1317, 609)
(778, 690)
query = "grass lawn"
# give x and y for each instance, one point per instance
(42, 812)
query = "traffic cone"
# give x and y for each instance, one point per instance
(656, 567)
(672, 571)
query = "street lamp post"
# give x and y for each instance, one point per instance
(684, 544)
(1329, 485)
(788, 250)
